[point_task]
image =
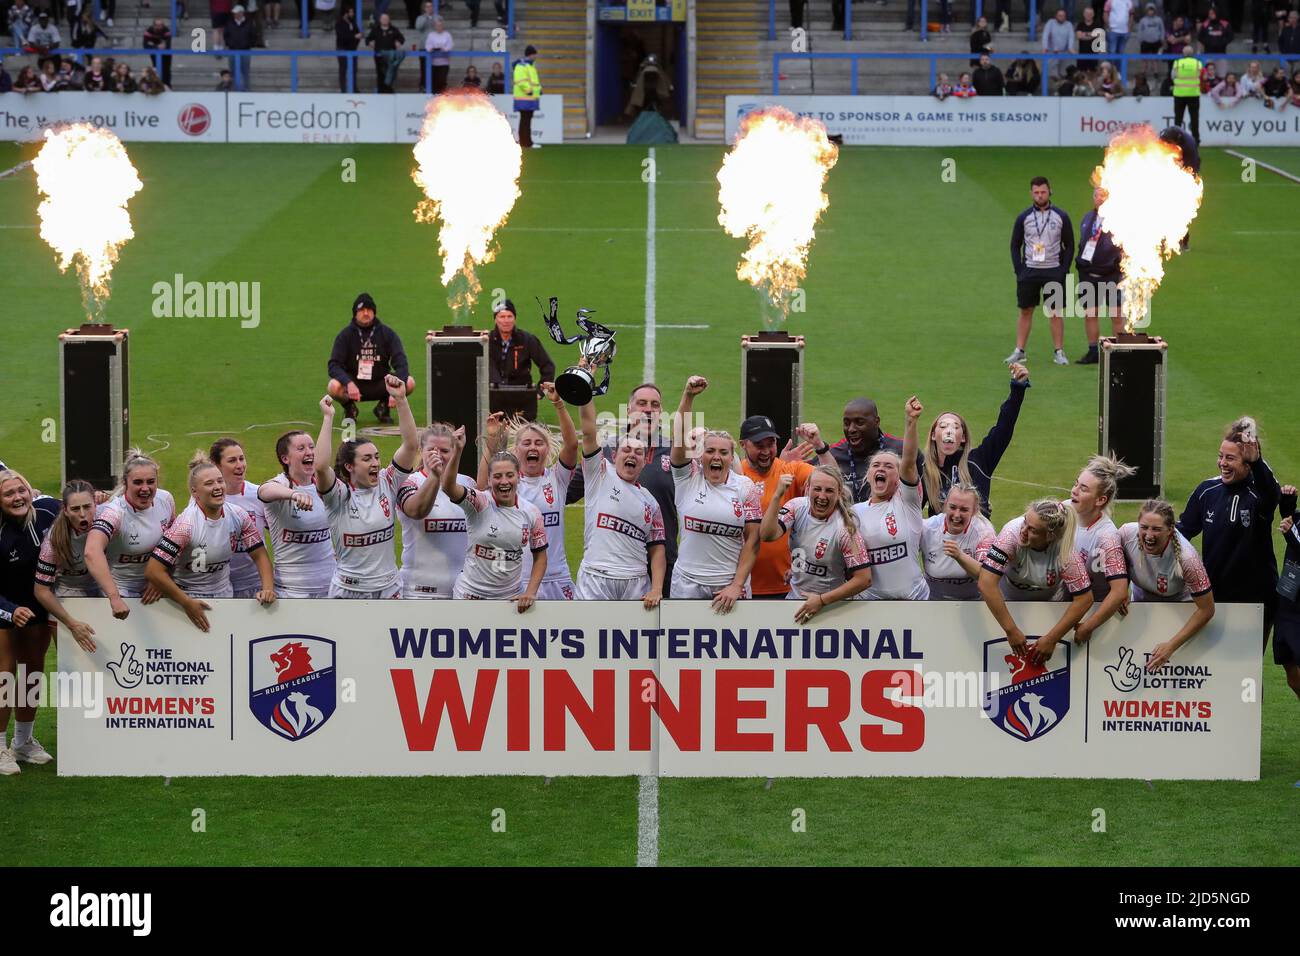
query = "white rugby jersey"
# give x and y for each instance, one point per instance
(363, 521)
(621, 520)
(823, 553)
(198, 549)
(433, 547)
(1029, 575)
(546, 493)
(243, 572)
(301, 546)
(132, 535)
(1102, 554)
(948, 580)
(892, 532)
(711, 520)
(64, 580)
(1177, 574)
(498, 538)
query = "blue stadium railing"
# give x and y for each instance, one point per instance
(304, 9)
(236, 59)
(924, 18)
(1043, 59)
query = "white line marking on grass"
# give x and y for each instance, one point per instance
(647, 821)
(15, 169)
(29, 226)
(159, 438)
(1272, 169)
(713, 229)
(638, 325)
(647, 800)
(1029, 484)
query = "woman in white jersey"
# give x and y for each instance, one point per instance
(298, 521)
(191, 562)
(950, 542)
(434, 532)
(1164, 566)
(623, 528)
(61, 569)
(361, 499)
(228, 455)
(718, 513)
(124, 533)
(890, 520)
(1033, 558)
(828, 556)
(501, 528)
(543, 483)
(1097, 540)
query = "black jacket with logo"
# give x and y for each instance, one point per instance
(513, 363)
(1235, 522)
(387, 351)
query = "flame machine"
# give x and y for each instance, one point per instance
(94, 416)
(771, 378)
(457, 373)
(1131, 387)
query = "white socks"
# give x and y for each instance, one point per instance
(22, 732)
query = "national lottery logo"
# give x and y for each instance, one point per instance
(1028, 699)
(293, 683)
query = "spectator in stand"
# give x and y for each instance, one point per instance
(1109, 84)
(423, 26)
(95, 80)
(85, 31)
(150, 82)
(796, 14)
(1066, 87)
(1275, 88)
(473, 7)
(50, 81)
(1089, 38)
(987, 78)
(963, 90)
(388, 42)
(471, 79)
(239, 36)
(1058, 37)
(273, 14)
(1209, 77)
(981, 41)
(496, 84)
(20, 21)
(1179, 35)
(121, 80)
(438, 45)
(221, 10)
(1293, 94)
(1150, 35)
(1142, 86)
(501, 10)
(1261, 14)
(43, 37)
(27, 81)
(1227, 93)
(1119, 17)
(1024, 77)
(347, 37)
(526, 87)
(1288, 37)
(1215, 34)
(1252, 81)
(158, 36)
(943, 89)
(226, 83)
(6, 81)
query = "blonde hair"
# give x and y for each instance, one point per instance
(1158, 506)
(1060, 520)
(843, 500)
(517, 425)
(10, 475)
(1108, 470)
(436, 430)
(135, 458)
(200, 461)
(933, 477)
(968, 488)
(1242, 430)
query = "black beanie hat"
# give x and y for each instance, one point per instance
(507, 304)
(364, 300)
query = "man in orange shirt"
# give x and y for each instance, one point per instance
(763, 466)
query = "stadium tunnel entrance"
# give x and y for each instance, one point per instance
(640, 66)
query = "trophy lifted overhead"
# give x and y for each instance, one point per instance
(577, 384)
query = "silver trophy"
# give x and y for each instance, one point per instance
(577, 384)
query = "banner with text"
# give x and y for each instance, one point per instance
(250, 117)
(608, 688)
(1019, 120)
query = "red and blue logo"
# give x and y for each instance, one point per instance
(293, 684)
(1024, 698)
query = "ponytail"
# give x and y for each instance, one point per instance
(219, 448)
(1109, 471)
(199, 461)
(843, 501)
(61, 533)
(282, 448)
(1061, 522)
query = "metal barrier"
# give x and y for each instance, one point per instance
(236, 58)
(1121, 60)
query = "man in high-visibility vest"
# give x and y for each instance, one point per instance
(528, 94)
(1187, 91)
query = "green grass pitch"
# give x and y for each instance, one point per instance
(909, 290)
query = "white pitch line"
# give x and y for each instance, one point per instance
(1029, 484)
(15, 169)
(1272, 169)
(647, 800)
(638, 325)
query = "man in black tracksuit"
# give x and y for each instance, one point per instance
(1190, 159)
(1234, 514)
(1099, 276)
(511, 354)
(364, 352)
(1286, 635)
